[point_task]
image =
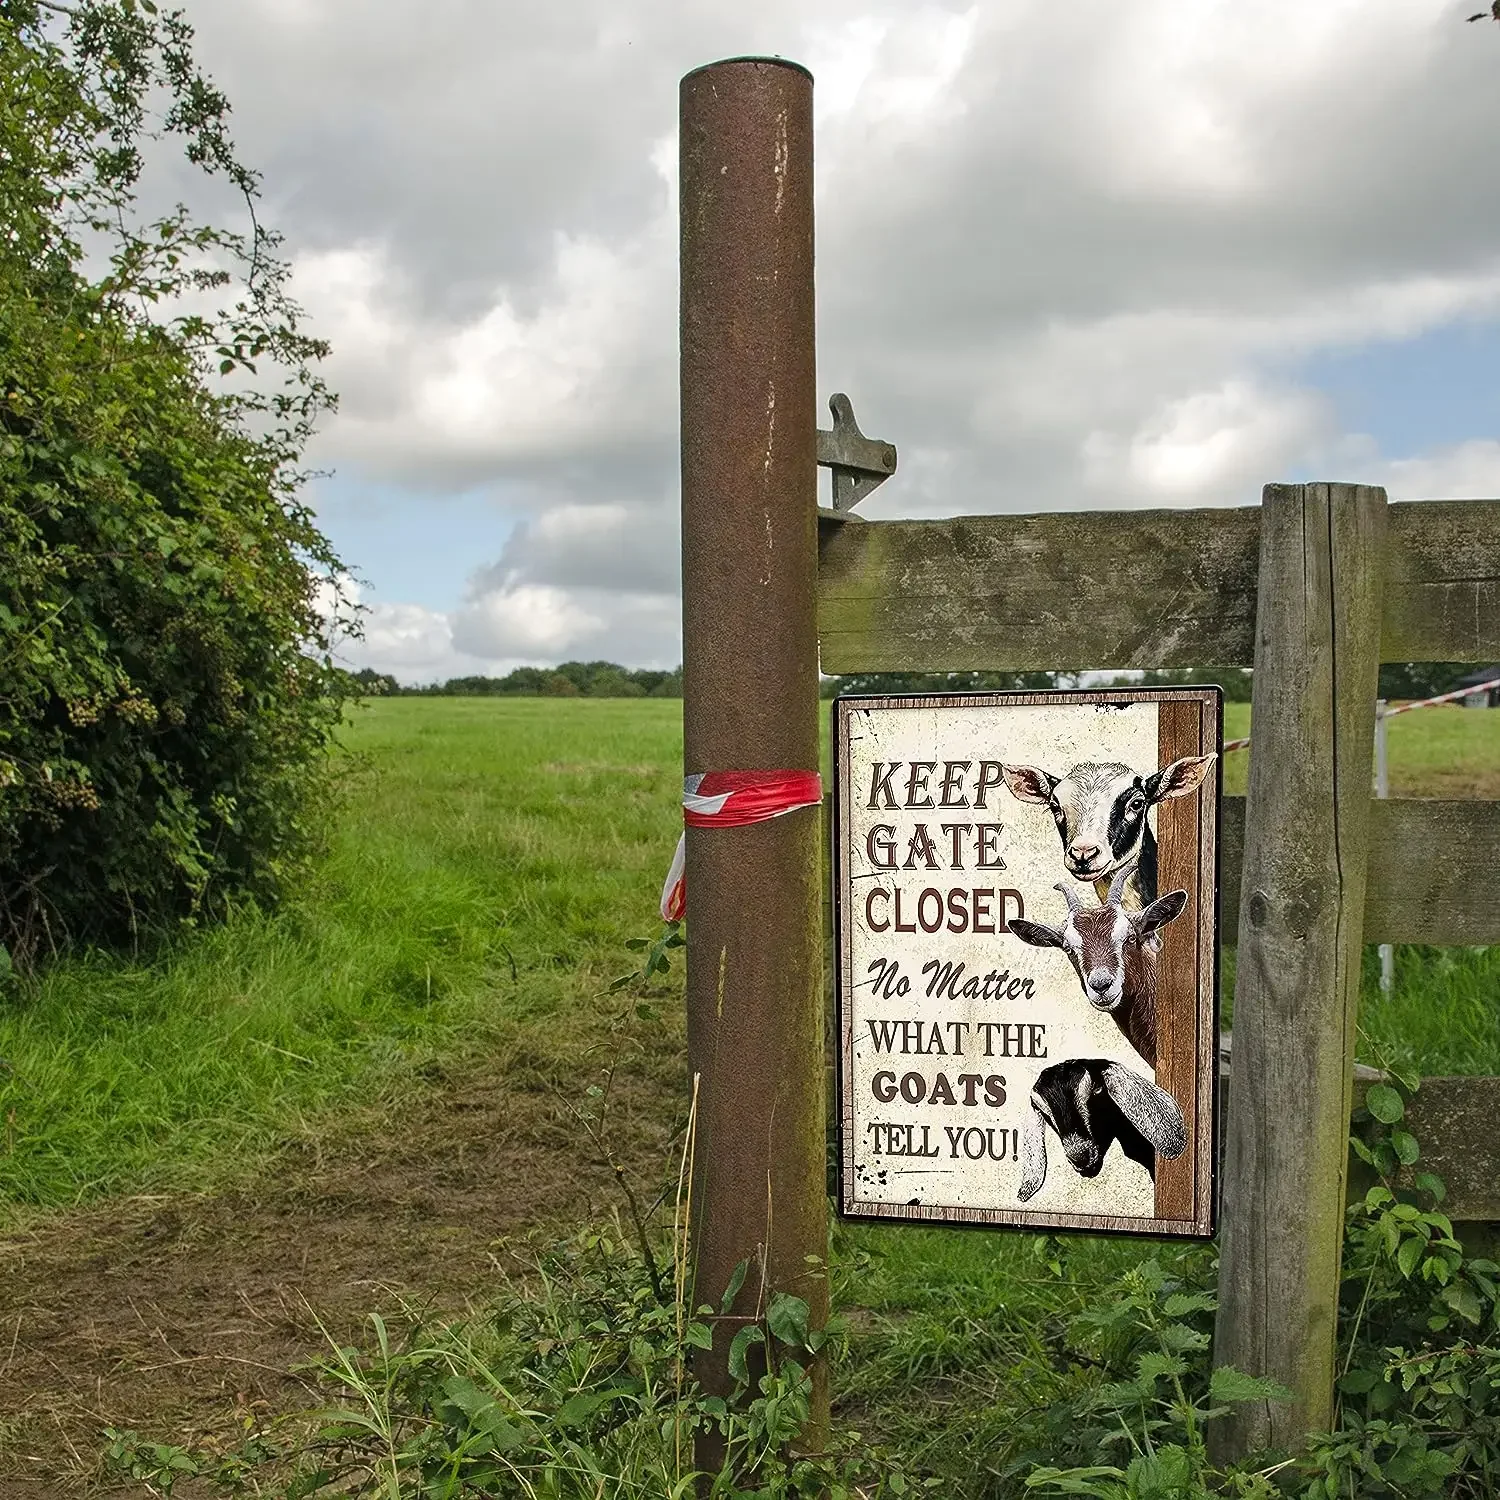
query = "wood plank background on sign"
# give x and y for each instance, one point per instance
(1187, 952)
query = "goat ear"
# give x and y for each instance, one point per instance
(1151, 1110)
(1038, 934)
(1180, 778)
(1161, 911)
(1028, 783)
(1033, 1155)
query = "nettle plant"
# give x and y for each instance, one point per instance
(1152, 1332)
(1418, 1395)
(657, 959)
(1419, 1389)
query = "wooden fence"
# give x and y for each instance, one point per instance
(1314, 589)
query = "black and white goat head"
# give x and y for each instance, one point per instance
(1089, 1104)
(1101, 814)
(1115, 953)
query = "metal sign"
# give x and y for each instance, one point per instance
(1025, 888)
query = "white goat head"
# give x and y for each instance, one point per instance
(1100, 811)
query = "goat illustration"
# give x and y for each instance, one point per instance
(1115, 954)
(1100, 809)
(1089, 1104)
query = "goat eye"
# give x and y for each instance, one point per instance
(1135, 804)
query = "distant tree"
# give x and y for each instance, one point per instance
(1235, 681)
(1408, 679)
(594, 679)
(524, 680)
(472, 687)
(1421, 679)
(373, 684)
(576, 672)
(614, 682)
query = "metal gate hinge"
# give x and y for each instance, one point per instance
(858, 463)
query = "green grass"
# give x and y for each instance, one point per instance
(482, 834)
(1434, 752)
(474, 834)
(1443, 1013)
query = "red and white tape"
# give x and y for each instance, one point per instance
(1404, 708)
(1463, 692)
(732, 799)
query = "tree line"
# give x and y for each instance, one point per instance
(572, 679)
(607, 679)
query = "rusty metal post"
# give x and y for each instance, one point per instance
(750, 690)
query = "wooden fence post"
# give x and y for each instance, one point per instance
(750, 689)
(1317, 651)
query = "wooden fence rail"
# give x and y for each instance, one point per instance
(1124, 589)
(1426, 882)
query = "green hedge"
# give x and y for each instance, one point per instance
(165, 696)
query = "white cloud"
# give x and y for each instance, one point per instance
(626, 546)
(1463, 471)
(524, 625)
(1208, 444)
(526, 620)
(510, 387)
(403, 636)
(1067, 257)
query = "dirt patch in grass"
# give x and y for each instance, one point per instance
(184, 1317)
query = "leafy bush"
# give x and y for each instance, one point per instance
(1152, 1421)
(1418, 1410)
(1421, 679)
(167, 696)
(1419, 1393)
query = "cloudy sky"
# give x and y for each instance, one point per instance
(1069, 256)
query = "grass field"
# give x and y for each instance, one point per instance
(491, 859)
(1443, 1014)
(481, 839)
(1434, 752)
